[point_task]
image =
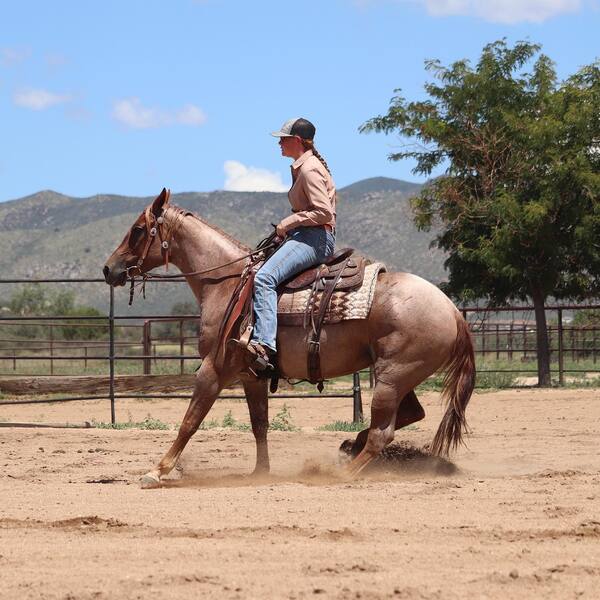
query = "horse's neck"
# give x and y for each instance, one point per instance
(197, 247)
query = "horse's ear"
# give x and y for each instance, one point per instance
(161, 201)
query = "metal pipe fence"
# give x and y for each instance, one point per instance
(111, 323)
(505, 339)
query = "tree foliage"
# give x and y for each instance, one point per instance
(33, 300)
(518, 205)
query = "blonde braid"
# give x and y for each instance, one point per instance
(310, 145)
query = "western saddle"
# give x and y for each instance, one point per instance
(343, 271)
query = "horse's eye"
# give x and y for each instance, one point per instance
(136, 235)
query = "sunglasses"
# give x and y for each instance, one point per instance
(288, 137)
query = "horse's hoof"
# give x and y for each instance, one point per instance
(150, 481)
(260, 472)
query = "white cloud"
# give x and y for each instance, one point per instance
(190, 115)
(497, 11)
(240, 178)
(132, 113)
(39, 99)
(503, 11)
(9, 57)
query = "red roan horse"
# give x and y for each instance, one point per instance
(412, 331)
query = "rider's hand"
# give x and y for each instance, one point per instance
(280, 231)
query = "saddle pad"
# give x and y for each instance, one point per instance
(345, 305)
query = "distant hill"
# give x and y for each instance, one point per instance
(50, 235)
(381, 184)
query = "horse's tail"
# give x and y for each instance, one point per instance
(459, 382)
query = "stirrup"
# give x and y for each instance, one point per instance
(260, 361)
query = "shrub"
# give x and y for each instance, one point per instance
(344, 426)
(282, 421)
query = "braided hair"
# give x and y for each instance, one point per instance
(310, 145)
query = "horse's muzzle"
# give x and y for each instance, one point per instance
(114, 277)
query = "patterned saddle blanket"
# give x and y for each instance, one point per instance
(293, 307)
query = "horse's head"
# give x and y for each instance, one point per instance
(140, 251)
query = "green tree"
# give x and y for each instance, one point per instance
(62, 302)
(518, 204)
(587, 318)
(84, 330)
(31, 299)
(34, 301)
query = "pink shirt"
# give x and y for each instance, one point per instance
(312, 194)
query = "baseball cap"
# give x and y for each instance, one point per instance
(299, 126)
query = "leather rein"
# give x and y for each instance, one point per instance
(158, 227)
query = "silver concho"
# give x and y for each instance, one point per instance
(165, 244)
(153, 231)
(160, 220)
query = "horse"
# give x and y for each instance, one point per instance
(412, 331)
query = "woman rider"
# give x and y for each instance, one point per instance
(308, 233)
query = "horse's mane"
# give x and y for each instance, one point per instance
(220, 231)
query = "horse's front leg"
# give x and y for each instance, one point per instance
(208, 385)
(257, 398)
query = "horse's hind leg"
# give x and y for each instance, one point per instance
(384, 408)
(410, 411)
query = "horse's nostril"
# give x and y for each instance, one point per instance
(106, 272)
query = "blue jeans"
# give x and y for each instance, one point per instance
(304, 247)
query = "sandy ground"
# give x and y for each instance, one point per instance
(518, 516)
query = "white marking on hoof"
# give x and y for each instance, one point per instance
(150, 481)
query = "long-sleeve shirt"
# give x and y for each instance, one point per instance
(312, 194)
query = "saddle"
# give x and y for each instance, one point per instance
(348, 270)
(340, 272)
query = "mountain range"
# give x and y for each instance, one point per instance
(51, 235)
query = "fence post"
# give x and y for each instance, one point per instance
(497, 341)
(483, 328)
(510, 341)
(51, 349)
(181, 349)
(560, 348)
(111, 354)
(146, 336)
(357, 412)
(85, 359)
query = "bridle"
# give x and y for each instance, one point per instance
(158, 227)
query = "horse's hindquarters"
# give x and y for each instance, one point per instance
(412, 322)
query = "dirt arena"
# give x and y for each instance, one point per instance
(517, 514)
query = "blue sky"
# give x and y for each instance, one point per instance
(129, 96)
